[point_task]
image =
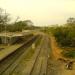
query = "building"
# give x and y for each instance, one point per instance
(9, 38)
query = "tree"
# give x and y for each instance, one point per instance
(28, 22)
(4, 19)
(71, 21)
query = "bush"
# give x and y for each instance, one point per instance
(69, 54)
(65, 36)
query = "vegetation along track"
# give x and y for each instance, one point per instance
(14, 57)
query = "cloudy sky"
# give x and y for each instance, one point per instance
(41, 12)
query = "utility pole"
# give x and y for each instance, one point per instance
(5, 28)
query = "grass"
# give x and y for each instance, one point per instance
(69, 53)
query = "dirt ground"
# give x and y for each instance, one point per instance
(56, 66)
(56, 51)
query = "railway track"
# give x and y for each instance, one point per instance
(37, 64)
(12, 48)
(18, 63)
(27, 67)
(14, 57)
(40, 65)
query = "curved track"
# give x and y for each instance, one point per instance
(35, 65)
(15, 56)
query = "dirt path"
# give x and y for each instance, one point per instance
(59, 66)
(56, 51)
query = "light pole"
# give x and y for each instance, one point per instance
(5, 20)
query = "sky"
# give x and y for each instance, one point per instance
(40, 12)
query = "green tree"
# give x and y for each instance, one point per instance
(71, 21)
(4, 19)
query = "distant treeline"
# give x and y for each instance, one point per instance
(65, 35)
(18, 26)
(5, 24)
